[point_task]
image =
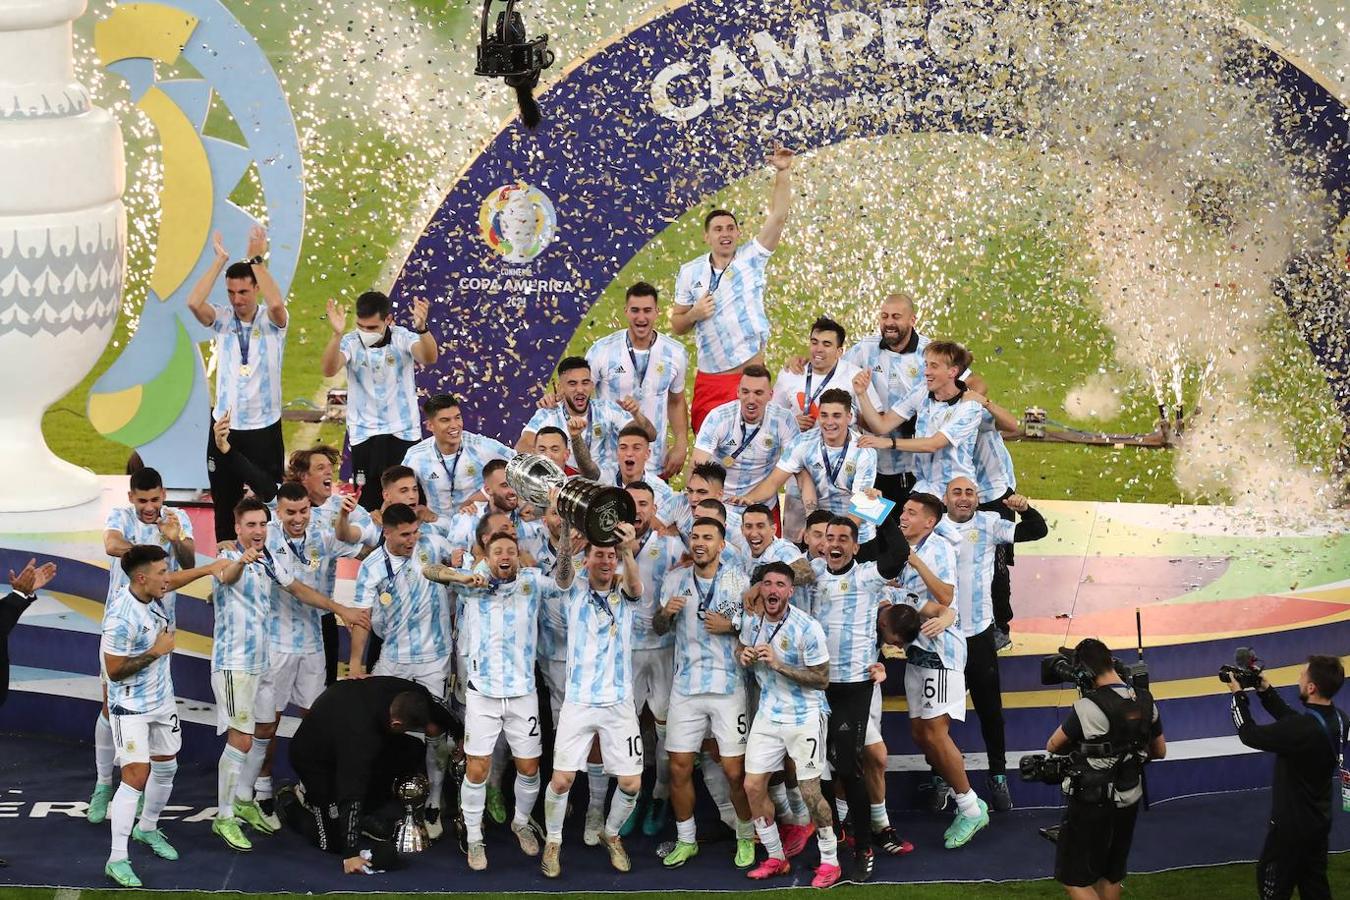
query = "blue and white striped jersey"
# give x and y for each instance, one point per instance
(531, 534)
(243, 611)
(599, 644)
(657, 555)
(449, 479)
(798, 641)
(993, 463)
(124, 521)
(854, 470)
(293, 626)
(958, 420)
(790, 389)
(250, 393)
(130, 628)
(975, 568)
(553, 619)
(502, 623)
(739, 326)
(381, 392)
(894, 377)
(706, 663)
(604, 421)
(410, 613)
(649, 376)
(846, 606)
(947, 650)
(756, 448)
(326, 515)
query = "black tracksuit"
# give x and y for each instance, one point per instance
(1307, 747)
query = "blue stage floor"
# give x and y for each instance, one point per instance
(46, 840)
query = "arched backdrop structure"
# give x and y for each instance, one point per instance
(691, 100)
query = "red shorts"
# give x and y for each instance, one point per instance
(710, 392)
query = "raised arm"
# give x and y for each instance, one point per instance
(780, 200)
(877, 422)
(586, 464)
(765, 489)
(942, 591)
(184, 577)
(115, 543)
(267, 285)
(564, 573)
(631, 406)
(202, 311)
(632, 575)
(426, 350)
(333, 358)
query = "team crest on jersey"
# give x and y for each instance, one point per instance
(527, 589)
(471, 469)
(654, 552)
(848, 468)
(596, 430)
(972, 536)
(256, 332)
(389, 359)
(783, 642)
(660, 368)
(424, 557)
(768, 442)
(912, 370)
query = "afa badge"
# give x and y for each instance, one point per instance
(973, 536)
(424, 557)
(912, 370)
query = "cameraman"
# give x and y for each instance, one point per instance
(1308, 751)
(1103, 797)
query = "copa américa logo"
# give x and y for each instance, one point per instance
(517, 221)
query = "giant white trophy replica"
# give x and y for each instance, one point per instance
(62, 245)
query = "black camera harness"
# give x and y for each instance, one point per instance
(1125, 742)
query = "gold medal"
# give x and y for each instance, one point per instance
(245, 370)
(386, 598)
(614, 628)
(389, 359)
(728, 462)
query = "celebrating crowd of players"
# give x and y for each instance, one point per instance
(736, 628)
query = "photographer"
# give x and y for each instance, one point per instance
(1307, 745)
(1116, 729)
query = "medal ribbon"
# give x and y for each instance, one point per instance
(451, 469)
(244, 336)
(639, 377)
(746, 439)
(714, 276)
(706, 601)
(601, 602)
(809, 398)
(832, 472)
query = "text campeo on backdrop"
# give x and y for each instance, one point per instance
(642, 130)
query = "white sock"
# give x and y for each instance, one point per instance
(262, 787)
(104, 752)
(797, 804)
(842, 805)
(527, 793)
(767, 829)
(122, 812)
(620, 808)
(248, 772)
(778, 794)
(472, 799)
(828, 843)
(969, 804)
(880, 819)
(661, 789)
(435, 774)
(598, 783)
(686, 832)
(719, 788)
(227, 773)
(157, 790)
(555, 811)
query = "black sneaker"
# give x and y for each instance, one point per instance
(863, 865)
(999, 796)
(890, 842)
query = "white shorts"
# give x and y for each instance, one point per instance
(296, 678)
(555, 677)
(874, 719)
(653, 674)
(239, 698)
(430, 675)
(932, 693)
(138, 737)
(485, 718)
(724, 717)
(769, 743)
(620, 739)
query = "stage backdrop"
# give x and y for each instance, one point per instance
(639, 132)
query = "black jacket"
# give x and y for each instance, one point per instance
(1305, 759)
(11, 608)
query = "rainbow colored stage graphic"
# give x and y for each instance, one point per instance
(1204, 579)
